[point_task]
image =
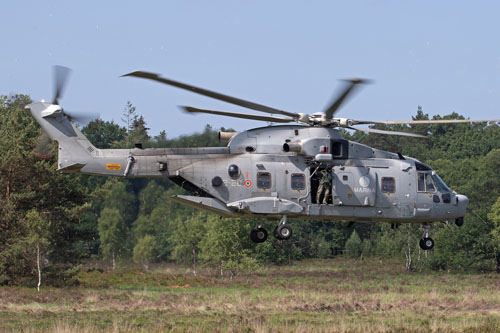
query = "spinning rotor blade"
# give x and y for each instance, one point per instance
(353, 83)
(61, 75)
(82, 118)
(440, 121)
(377, 131)
(201, 91)
(239, 115)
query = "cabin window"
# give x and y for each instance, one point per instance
(298, 181)
(345, 177)
(388, 185)
(264, 180)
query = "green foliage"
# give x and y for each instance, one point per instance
(104, 134)
(353, 245)
(32, 185)
(494, 216)
(221, 246)
(113, 233)
(144, 251)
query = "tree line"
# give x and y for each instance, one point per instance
(53, 222)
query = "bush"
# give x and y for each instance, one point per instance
(353, 245)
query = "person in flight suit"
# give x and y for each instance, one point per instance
(325, 186)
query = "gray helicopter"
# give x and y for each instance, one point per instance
(305, 170)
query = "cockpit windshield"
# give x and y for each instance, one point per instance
(441, 186)
(429, 181)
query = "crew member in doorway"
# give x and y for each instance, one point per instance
(325, 185)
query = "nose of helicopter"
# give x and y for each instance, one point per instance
(462, 201)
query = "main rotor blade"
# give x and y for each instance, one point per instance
(352, 84)
(61, 75)
(238, 115)
(437, 121)
(377, 131)
(205, 92)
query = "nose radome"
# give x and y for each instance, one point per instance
(462, 200)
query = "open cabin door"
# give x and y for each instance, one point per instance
(354, 186)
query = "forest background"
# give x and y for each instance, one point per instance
(55, 222)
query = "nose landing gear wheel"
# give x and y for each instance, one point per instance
(426, 243)
(258, 235)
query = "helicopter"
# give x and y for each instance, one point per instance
(300, 169)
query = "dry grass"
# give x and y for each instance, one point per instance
(338, 295)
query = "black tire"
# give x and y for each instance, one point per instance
(426, 243)
(253, 236)
(459, 222)
(284, 232)
(258, 235)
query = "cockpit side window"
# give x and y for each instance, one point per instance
(429, 184)
(421, 182)
(426, 182)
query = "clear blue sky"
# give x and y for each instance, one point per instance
(443, 55)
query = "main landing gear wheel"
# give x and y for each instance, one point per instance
(283, 231)
(426, 243)
(258, 235)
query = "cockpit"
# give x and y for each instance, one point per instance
(428, 180)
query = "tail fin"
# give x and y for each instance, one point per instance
(74, 148)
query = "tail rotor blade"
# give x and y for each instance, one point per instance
(61, 75)
(81, 118)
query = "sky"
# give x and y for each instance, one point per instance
(442, 55)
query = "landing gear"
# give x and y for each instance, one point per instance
(258, 234)
(459, 221)
(426, 243)
(283, 231)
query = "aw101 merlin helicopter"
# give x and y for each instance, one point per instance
(305, 170)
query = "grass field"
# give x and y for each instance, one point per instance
(336, 295)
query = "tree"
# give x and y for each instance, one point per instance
(113, 233)
(104, 134)
(28, 183)
(186, 239)
(38, 233)
(139, 132)
(128, 117)
(494, 216)
(353, 245)
(144, 251)
(221, 246)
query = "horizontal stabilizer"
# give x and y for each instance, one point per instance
(211, 205)
(72, 168)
